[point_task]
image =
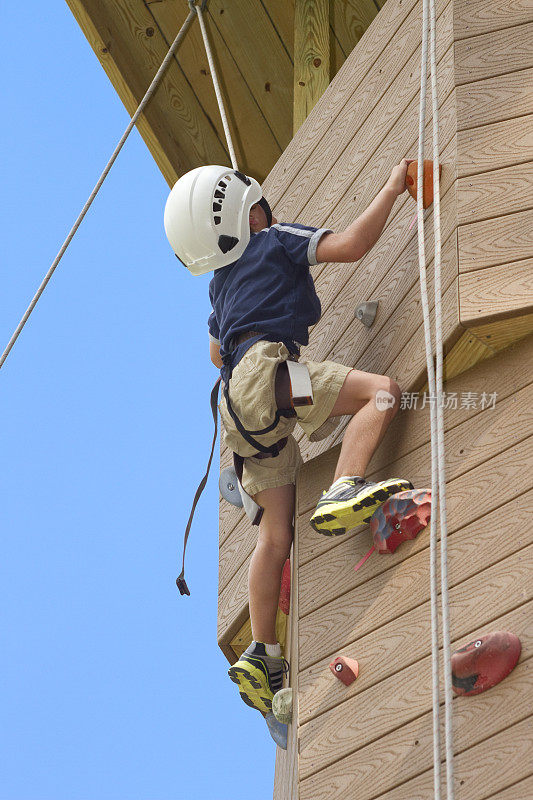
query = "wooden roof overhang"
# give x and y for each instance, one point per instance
(253, 42)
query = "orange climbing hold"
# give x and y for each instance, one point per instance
(412, 177)
(345, 669)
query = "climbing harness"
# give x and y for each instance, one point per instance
(438, 489)
(149, 92)
(292, 390)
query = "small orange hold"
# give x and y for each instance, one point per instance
(411, 179)
(345, 669)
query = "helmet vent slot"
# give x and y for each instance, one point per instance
(217, 220)
(219, 194)
(217, 207)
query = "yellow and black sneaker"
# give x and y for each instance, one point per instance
(259, 676)
(351, 501)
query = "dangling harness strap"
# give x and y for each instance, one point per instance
(180, 580)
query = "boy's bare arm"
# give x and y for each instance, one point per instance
(214, 352)
(359, 237)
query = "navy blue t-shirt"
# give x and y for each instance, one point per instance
(269, 289)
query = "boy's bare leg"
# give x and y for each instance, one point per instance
(370, 421)
(271, 552)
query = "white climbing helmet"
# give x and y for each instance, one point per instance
(207, 217)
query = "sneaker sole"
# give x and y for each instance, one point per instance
(252, 690)
(345, 515)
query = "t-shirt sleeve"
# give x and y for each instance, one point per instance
(300, 242)
(214, 332)
(212, 324)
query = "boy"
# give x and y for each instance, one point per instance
(264, 301)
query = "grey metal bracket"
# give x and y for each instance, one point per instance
(366, 312)
(229, 487)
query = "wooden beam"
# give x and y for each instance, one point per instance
(311, 56)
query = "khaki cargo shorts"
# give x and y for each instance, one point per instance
(252, 395)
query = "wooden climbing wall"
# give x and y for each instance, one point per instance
(342, 155)
(374, 739)
(366, 121)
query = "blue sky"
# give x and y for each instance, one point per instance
(113, 686)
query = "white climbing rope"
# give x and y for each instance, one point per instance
(438, 491)
(446, 650)
(149, 92)
(431, 385)
(220, 101)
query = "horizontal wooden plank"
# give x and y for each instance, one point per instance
(490, 147)
(496, 292)
(486, 768)
(494, 53)
(373, 714)
(523, 790)
(398, 644)
(494, 99)
(495, 193)
(362, 60)
(496, 241)
(502, 334)
(473, 17)
(467, 446)
(400, 755)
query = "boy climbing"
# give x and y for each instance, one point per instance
(264, 302)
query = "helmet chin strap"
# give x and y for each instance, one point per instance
(266, 208)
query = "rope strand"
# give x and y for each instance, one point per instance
(216, 87)
(433, 421)
(149, 92)
(446, 650)
(438, 479)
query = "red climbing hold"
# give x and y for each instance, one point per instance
(401, 517)
(285, 591)
(345, 669)
(483, 663)
(412, 177)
